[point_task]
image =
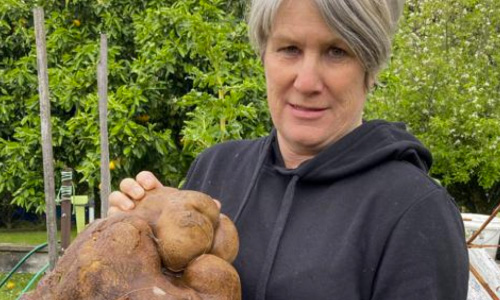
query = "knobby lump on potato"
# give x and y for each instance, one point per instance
(174, 245)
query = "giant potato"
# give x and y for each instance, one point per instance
(174, 245)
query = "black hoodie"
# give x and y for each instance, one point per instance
(360, 221)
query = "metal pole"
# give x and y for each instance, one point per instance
(66, 193)
(91, 205)
(102, 83)
(48, 167)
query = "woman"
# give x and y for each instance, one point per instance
(328, 206)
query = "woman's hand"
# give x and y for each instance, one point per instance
(132, 190)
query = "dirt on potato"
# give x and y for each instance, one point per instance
(174, 245)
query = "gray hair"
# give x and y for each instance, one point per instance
(367, 26)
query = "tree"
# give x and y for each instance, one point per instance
(182, 77)
(444, 82)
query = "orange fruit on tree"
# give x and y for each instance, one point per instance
(143, 118)
(77, 22)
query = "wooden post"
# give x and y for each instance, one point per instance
(66, 193)
(483, 282)
(48, 167)
(478, 232)
(102, 84)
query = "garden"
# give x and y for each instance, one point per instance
(183, 77)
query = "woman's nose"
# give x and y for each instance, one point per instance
(308, 78)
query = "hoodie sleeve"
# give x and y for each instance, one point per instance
(425, 256)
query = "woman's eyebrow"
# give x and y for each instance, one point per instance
(282, 38)
(285, 38)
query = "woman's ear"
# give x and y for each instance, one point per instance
(370, 81)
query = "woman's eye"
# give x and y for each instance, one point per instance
(290, 50)
(336, 52)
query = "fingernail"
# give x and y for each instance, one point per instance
(129, 205)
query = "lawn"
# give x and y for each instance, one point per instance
(13, 287)
(27, 237)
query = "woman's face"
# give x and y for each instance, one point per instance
(315, 84)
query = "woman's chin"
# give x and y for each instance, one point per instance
(305, 141)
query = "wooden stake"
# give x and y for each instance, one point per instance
(478, 232)
(48, 167)
(102, 83)
(483, 282)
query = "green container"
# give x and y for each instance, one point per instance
(79, 203)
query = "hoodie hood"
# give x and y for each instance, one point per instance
(369, 145)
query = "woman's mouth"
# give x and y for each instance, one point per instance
(303, 112)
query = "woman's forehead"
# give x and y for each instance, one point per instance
(296, 18)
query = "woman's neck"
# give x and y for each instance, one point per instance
(292, 157)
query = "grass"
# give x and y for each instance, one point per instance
(15, 285)
(28, 237)
(27, 234)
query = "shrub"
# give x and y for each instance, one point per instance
(182, 77)
(444, 82)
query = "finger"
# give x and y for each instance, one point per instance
(113, 210)
(132, 189)
(148, 180)
(120, 201)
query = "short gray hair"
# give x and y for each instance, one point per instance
(367, 26)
